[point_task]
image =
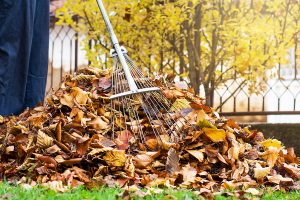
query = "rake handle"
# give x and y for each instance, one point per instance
(116, 45)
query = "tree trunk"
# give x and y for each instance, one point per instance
(197, 41)
(188, 33)
(181, 56)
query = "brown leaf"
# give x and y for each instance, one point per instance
(43, 170)
(173, 94)
(252, 154)
(81, 96)
(221, 158)
(232, 124)
(104, 83)
(81, 174)
(211, 151)
(72, 161)
(53, 149)
(198, 106)
(58, 131)
(37, 119)
(152, 144)
(278, 178)
(291, 156)
(68, 100)
(82, 147)
(99, 141)
(62, 146)
(172, 164)
(98, 124)
(142, 160)
(123, 139)
(197, 154)
(47, 159)
(77, 115)
(292, 171)
(96, 151)
(189, 173)
(129, 166)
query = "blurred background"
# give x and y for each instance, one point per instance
(241, 55)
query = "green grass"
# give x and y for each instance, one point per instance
(295, 195)
(16, 192)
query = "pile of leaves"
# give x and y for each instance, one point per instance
(67, 143)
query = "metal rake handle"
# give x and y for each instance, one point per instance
(116, 45)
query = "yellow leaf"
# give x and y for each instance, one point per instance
(271, 143)
(216, 135)
(180, 104)
(271, 156)
(115, 158)
(203, 123)
(233, 152)
(43, 140)
(201, 115)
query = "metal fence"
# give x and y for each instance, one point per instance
(281, 94)
(64, 53)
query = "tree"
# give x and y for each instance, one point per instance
(204, 42)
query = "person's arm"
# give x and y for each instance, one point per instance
(55, 4)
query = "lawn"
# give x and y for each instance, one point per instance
(16, 192)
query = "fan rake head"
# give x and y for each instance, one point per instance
(145, 113)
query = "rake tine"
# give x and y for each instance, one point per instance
(130, 85)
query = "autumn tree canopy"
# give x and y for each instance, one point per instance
(203, 42)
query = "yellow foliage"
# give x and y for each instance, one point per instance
(247, 36)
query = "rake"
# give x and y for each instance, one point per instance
(137, 105)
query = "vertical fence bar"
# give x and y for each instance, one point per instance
(76, 47)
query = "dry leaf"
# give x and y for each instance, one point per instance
(129, 167)
(98, 124)
(261, 172)
(115, 158)
(172, 164)
(197, 154)
(58, 131)
(271, 143)
(216, 135)
(276, 179)
(142, 160)
(71, 139)
(43, 140)
(270, 155)
(189, 173)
